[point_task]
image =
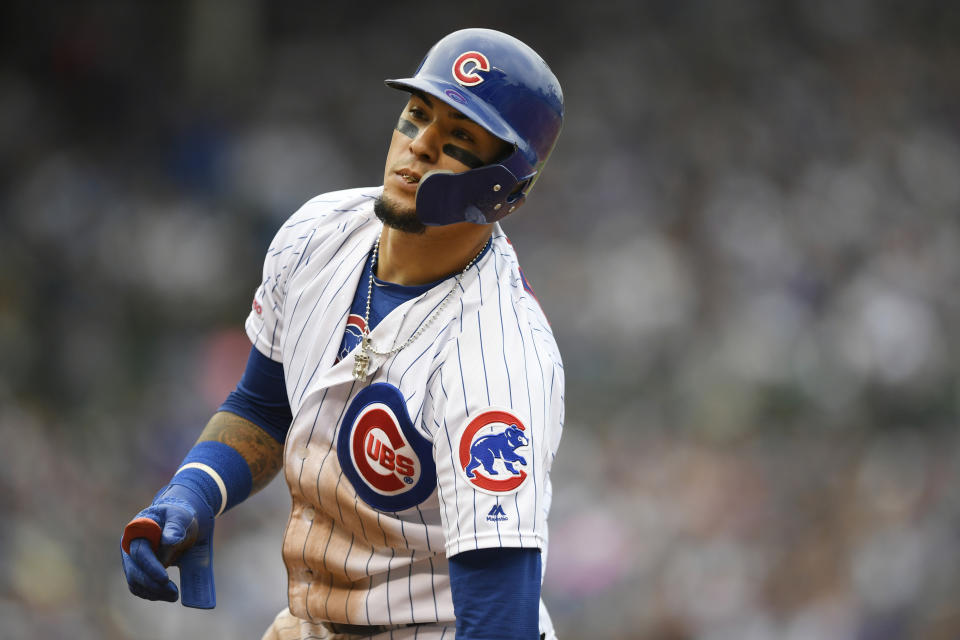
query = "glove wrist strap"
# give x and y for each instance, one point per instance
(218, 473)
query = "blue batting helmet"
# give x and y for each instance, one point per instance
(504, 86)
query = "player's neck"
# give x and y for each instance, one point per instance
(412, 259)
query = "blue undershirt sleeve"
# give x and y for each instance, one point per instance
(261, 396)
(496, 593)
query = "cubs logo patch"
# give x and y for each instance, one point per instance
(492, 452)
(467, 64)
(383, 456)
(352, 335)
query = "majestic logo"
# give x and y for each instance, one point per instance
(488, 452)
(467, 64)
(386, 460)
(497, 514)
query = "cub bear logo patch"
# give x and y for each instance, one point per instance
(492, 452)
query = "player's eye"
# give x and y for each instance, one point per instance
(462, 134)
(417, 113)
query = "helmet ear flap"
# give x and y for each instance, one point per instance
(481, 196)
(519, 192)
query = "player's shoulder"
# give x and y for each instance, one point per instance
(334, 207)
(515, 303)
(500, 326)
(322, 214)
(320, 222)
(509, 277)
(345, 200)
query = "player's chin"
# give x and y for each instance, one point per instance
(396, 217)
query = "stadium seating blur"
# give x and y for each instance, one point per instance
(746, 241)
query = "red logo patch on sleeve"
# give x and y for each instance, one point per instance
(493, 452)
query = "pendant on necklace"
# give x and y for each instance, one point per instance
(361, 361)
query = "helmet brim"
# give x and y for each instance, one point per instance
(466, 103)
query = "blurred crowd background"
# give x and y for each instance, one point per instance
(746, 240)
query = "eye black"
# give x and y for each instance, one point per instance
(407, 128)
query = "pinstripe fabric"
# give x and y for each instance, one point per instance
(347, 561)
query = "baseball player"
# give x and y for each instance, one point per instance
(403, 376)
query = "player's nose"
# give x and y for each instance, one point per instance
(426, 144)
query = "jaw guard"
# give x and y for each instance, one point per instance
(481, 196)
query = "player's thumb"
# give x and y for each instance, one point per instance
(179, 528)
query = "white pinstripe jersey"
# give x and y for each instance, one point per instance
(447, 447)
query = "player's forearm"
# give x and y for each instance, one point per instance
(264, 455)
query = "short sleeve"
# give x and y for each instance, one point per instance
(264, 324)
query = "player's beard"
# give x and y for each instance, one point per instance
(390, 216)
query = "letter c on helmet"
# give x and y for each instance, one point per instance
(471, 77)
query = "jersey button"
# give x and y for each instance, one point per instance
(308, 513)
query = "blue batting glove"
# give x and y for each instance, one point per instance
(177, 529)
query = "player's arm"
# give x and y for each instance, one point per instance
(239, 451)
(496, 593)
(262, 453)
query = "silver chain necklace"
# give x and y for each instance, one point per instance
(361, 360)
